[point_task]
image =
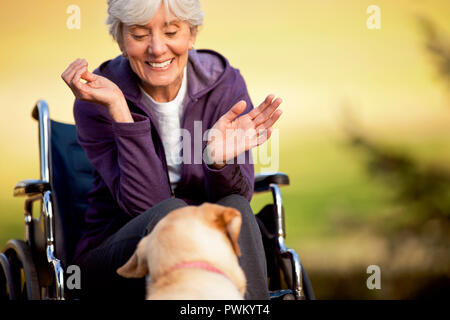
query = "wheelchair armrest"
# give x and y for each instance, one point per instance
(31, 187)
(263, 180)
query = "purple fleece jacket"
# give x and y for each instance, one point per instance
(130, 169)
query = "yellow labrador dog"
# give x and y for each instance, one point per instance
(191, 254)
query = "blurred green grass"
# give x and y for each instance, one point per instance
(327, 180)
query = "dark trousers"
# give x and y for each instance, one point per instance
(98, 266)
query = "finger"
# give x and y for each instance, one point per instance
(88, 76)
(255, 112)
(82, 87)
(235, 111)
(263, 116)
(78, 62)
(271, 121)
(264, 136)
(72, 69)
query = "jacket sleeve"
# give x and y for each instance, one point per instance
(236, 177)
(124, 156)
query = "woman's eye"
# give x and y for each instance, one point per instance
(138, 37)
(171, 34)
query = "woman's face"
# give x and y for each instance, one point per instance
(158, 53)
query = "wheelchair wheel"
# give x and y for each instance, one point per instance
(7, 288)
(23, 273)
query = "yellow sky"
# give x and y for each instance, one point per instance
(316, 55)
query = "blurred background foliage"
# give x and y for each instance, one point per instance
(417, 228)
(364, 137)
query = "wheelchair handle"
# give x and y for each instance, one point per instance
(41, 114)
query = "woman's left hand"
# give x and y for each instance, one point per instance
(230, 135)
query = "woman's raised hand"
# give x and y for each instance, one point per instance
(230, 135)
(96, 89)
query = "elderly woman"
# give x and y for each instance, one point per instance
(132, 115)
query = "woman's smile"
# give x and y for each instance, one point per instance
(161, 65)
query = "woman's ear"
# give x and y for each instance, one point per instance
(122, 48)
(120, 41)
(193, 37)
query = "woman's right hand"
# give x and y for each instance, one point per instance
(97, 89)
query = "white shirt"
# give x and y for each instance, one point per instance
(168, 115)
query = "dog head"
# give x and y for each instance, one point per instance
(205, 233)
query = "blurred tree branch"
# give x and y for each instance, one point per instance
(422, 190)
(437, 46)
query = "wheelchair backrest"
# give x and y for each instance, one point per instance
(71, 177)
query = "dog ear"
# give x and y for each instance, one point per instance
(136, 266)
(232, 220)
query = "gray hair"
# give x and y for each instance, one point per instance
(140, 12)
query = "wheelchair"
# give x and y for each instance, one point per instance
(34, 268)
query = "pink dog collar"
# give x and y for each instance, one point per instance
(199, 265)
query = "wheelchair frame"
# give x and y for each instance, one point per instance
(36, 190)
(45, 279)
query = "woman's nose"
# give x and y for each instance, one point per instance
(157, 46)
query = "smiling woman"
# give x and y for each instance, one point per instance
(132, 114)
(157, 50)
(158, 53)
